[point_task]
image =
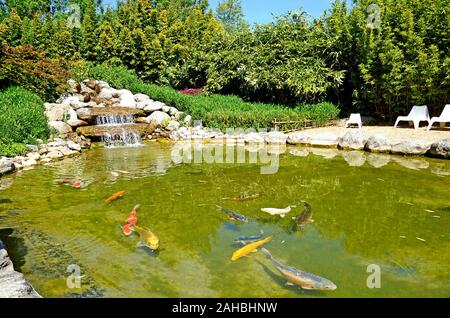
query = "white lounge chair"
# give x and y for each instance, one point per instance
(355, 119)
(443, 119)
(416, 115)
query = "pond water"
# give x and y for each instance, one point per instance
(393, 212)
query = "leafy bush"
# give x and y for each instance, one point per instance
(27, 67)
(218, 111)
(22, 120)
(11, 149)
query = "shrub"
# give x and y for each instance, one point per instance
(27, 67)
(22, 120)
(11, 149)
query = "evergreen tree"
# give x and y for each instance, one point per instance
(89, 36)
(230, 13)
(156, 61)
(125, 46)
(60, 44)
(107, 43)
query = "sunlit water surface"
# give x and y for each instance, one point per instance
(368, 209)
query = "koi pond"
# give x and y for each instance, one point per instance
(370, 211)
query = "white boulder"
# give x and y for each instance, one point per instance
(159, 118)
(187, 120)
(324, 140)
(153, 106)
(276, 137)
(141, 98)
(173, 125)
(127, 99)
(253, 138)
(298, 138)
(61, 127)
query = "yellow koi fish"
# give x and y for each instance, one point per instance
(249, 248)
(148, 237)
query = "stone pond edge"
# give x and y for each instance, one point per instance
(12, 283)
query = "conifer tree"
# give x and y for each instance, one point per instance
(125, 46)
(60, 44)
(89, 36)
(156, 61)
(230, 13)
(107, 43)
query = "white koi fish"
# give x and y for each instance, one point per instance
(281, 212)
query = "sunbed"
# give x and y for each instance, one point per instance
(443, 119)
(355, 119)
(416, 115)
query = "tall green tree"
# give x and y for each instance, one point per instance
(125, 47)
(231, 14)
(107, 43)
(89, 36)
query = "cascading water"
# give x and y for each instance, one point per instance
(114, 120)
(123, 138)
(120, 135)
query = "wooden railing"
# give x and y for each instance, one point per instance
(290, 126)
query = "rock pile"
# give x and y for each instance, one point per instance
(56, 148)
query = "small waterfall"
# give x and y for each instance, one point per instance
(122, 138)
(121, 133)
(114, 120)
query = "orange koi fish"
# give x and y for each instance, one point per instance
(132, 218)
(76, 185)
(115, 196)
(127, 229)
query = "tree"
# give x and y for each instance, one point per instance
(60, 43)
(89, 35)
(12, 29)
(125, 46)
(156, 62)
(107, 43)
(230, 13)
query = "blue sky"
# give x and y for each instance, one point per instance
(261, 11)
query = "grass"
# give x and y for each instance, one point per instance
(218, 111)
(22, 120)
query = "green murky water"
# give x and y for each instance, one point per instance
(368, 209)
